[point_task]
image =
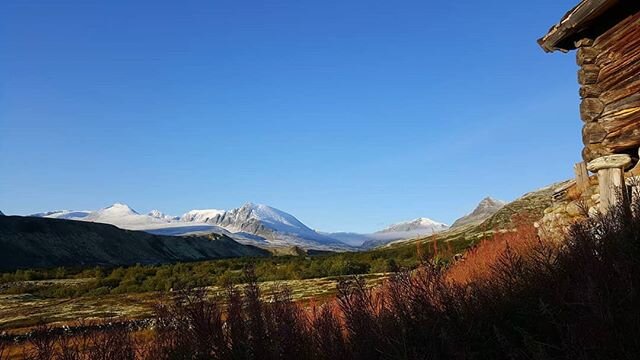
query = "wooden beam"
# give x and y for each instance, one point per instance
(572, 23)
(582, 176)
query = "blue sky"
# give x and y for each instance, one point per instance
(348, 114)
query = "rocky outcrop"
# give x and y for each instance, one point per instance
(568, 207)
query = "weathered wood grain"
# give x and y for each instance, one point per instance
(616, 121)
(586, 55)
(622, 68)
(609, 73)
(582, 176)
(613, 35)
(593, 151)
(610, 182)
(584, 42)
(620, 91)
(610, 90)
(593, 133)
(588, 74)
(588, 91)
(590, 109)
(625, 135)
(629, 102)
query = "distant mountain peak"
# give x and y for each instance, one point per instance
(160, 215)
(410, 229)
(119, 208)
(268, 214)
(415, 224)
(201, 215)
(485, 208)
(489, 201)
(275, 226)
(156, 214)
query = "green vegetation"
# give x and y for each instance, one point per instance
(139, 278)
(100, 281)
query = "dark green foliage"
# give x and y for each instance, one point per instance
(145, 278)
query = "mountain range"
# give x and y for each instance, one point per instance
(263, 226)
(400, 231)
(250, 224)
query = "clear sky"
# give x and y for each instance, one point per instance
(348, 114)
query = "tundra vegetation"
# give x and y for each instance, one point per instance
(100, 281)
(515, 297)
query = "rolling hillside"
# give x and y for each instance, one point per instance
(31, 242)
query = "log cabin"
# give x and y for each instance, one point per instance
(606, 37)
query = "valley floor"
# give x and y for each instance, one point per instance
(20, 312)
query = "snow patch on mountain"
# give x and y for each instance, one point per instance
(162, 216)
(277, 227)
(63, 214)
(396, 232)
(201, 215)
(123, 216)
(407, 230)
(422, 225)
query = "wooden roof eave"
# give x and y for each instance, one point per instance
(562, 35)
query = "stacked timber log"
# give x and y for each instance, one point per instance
(609, 77)
(606, 35)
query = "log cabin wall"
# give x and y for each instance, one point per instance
(609, 78)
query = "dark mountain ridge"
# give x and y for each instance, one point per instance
(30, 242)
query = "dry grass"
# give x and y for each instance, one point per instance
(20, 313)
(479, 262)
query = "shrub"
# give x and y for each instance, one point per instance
(516, 297)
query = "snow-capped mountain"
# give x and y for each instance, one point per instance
(487, 207)
(162, 216)
(253, 224)
(123, 216)
(276, 227)
(1, 213)
(404, 231)
(63, 214)
(419, 226)
(396, 232)
(201, 215)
